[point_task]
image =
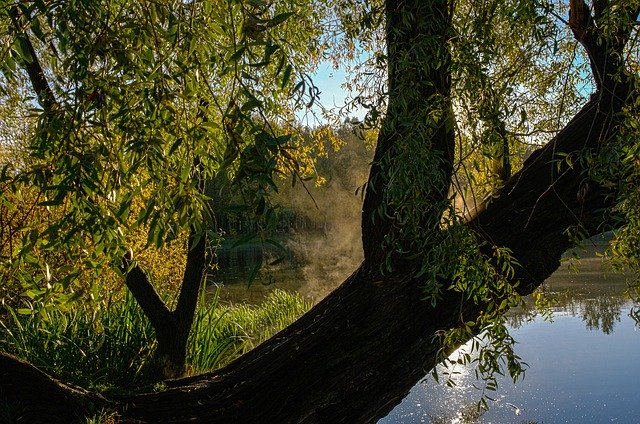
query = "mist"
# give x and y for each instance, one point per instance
(326, 240)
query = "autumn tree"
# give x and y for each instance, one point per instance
(139, 106)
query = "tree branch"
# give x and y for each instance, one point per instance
(192, 280)
(583, 27)
(605, 52)
(195, 267)
(547, 197)
(32, 65)
(599, 6)
(145, 294)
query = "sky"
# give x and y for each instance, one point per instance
(333, 95)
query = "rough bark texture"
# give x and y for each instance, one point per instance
(27, 395)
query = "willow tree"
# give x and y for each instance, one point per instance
(430, 279)
(138, 105)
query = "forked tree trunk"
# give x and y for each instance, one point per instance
(171, 327)
(357, 353)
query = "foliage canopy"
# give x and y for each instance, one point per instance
(138, 103)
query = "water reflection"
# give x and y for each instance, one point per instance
(599, 313)
(602, 313)
(583, 365)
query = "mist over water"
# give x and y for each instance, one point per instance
(329, 248)
(330, 253)
(320, 227)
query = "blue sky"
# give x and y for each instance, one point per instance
(330, 82)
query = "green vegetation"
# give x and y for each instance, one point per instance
(108, 344)
(150, 119)
(138, 124)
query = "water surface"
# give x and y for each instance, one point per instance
(584, 364)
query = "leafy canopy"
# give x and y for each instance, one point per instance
(133, 105)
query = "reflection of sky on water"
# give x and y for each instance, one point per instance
(575, 375)
(583, 365)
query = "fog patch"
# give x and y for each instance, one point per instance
(325, 237)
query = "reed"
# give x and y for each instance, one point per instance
(108, 344)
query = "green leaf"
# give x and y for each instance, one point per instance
(252, 103)
(172, 31)
(278, 19)
(235, 57)
(211, 126)
(286, 76)
(279, 141)
(22, 49)
(243, 240)
(254, 272)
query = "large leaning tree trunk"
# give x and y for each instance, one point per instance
(357, 353)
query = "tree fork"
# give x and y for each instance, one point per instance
(171, 327)
(355, 355)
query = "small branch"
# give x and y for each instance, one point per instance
(191, 281)
(604, 52)
(145, 294)
(34, 69)
(196, 264)
(582, 25)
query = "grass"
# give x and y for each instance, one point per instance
(106, 345)
(222, 333)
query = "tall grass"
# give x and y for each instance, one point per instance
(94, 344)
(222, 333)
(107, 345)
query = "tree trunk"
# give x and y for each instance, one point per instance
(358, 353)
(27, 395)
(355, 355)
(171, 327)
(408, 186)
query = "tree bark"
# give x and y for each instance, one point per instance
(411, 171)
(27, 395)
(171, 327)
(31, 63)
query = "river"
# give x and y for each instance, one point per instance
(583, 364)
